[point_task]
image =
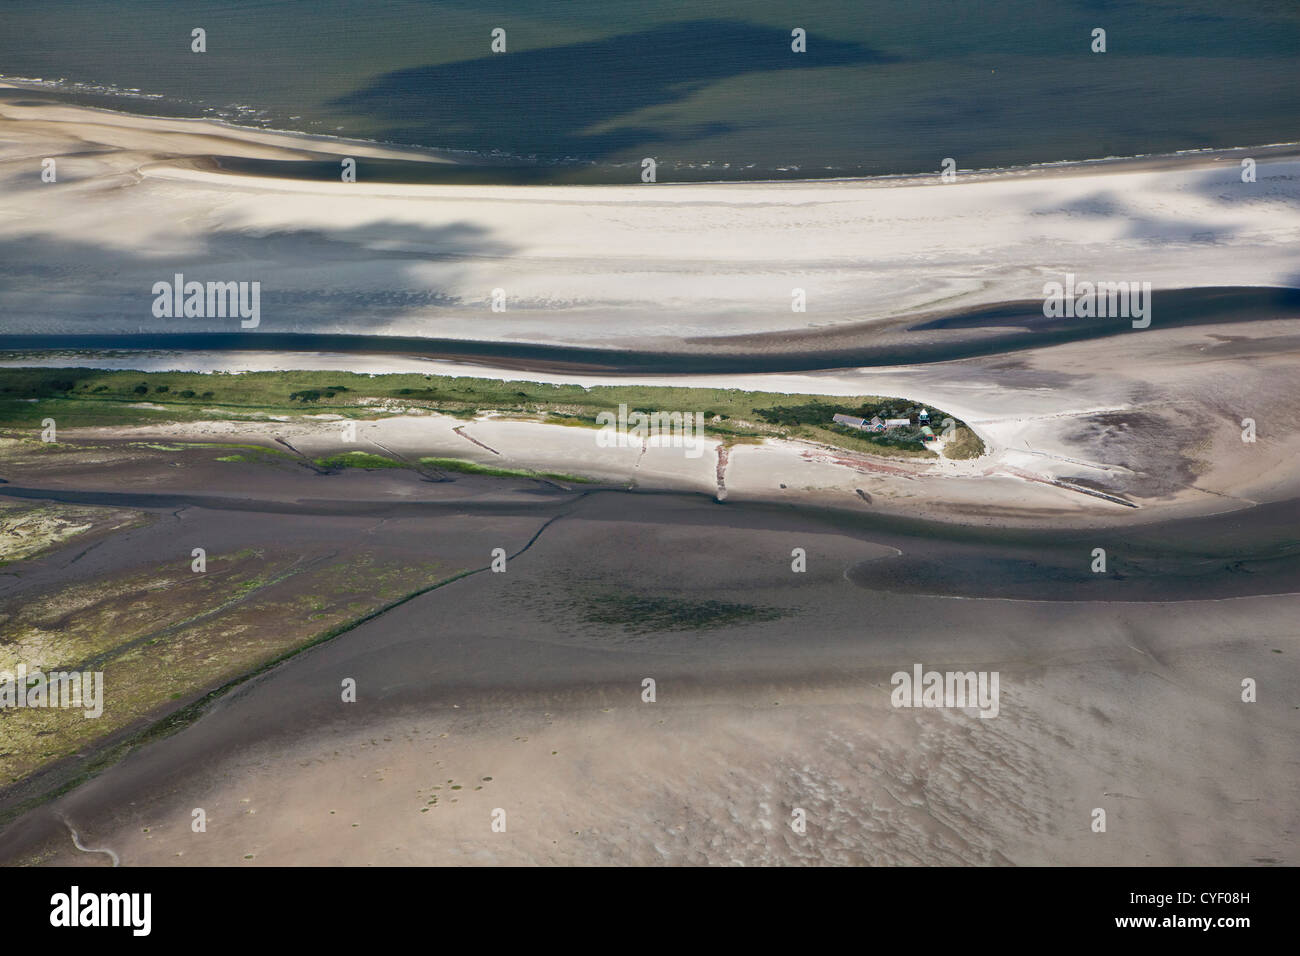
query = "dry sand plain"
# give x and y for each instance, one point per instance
(674, 266)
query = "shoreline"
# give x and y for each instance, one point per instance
(446, 155)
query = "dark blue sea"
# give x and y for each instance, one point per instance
(710, 90)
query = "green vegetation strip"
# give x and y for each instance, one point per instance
(77, 397)
(473, 468)
(358, 459)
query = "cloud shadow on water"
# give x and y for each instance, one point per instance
(560, 95)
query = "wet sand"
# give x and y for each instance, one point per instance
(1127, 705)
(907, 340)
(513, 666)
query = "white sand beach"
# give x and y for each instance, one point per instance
(136, 199)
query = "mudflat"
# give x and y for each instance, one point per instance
(523, 690)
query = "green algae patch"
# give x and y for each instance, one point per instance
(27, 531)
(358, 459)
(165, 636)
(473, 468)
(257, 456)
